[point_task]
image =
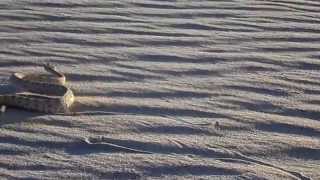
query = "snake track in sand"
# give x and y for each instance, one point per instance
(39, 92)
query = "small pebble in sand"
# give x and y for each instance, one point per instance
(3, 109)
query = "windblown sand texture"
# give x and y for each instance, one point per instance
(156, 76)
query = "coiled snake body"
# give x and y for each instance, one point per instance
(38, 92)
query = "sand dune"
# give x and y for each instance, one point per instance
(155, 76)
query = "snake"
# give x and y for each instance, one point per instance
(40, 92)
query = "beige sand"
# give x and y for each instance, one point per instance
(155, 77)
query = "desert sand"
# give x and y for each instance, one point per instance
(193, 89)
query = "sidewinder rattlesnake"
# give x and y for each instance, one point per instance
(40, 92)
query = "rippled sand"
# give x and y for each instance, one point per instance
(210, 89)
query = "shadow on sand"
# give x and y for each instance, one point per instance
(267, 107)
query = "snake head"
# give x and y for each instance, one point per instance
(49, 67)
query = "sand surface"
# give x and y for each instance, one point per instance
(156, 76)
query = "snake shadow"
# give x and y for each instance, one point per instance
(12, 114)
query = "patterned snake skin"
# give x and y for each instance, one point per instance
(39, 92)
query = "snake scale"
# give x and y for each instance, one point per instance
(40, 92)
